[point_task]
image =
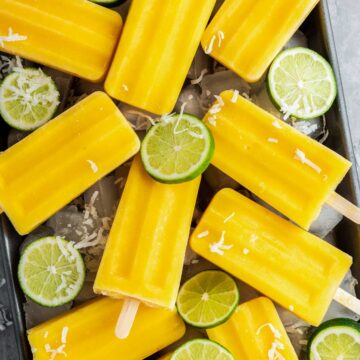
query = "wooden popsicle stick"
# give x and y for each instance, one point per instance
(126, 318)
(349, 301)
(344, 207)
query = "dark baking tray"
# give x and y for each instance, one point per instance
(319, 32)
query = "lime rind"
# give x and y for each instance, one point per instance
(210, 310)
(61, 275)
(177, 149)
(299, 83)
(28, 99)
(202, 349)
(339, 338)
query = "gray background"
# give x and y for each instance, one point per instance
(345, 21)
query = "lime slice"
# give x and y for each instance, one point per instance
(302, 83)
(201, 349)
(208, 299)
(177, 149)
(337, 339)
(51, 271)
(28, 99)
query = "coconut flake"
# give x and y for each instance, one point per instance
(125, 87)
(209, 48)
(219, 246)
(199, 79)
(93, 166)
(300, 155)
(64, 333)
(203, 234)
(229, 217)
(246, 251)
(221, 37)
(235, 96)
(273, 140)
(277, 124)
(11, 37)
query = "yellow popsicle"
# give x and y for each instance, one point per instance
(254, 331)
(246, 35)
(294, 268)
(88, 333)
(60, 160)
(290, 171)
(144, 254)
(74, 36)
(158, 44)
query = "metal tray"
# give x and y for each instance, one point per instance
(13, 341)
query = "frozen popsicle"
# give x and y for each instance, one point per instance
(254, 331)
(291, 172)
(88, 332)
(279, 259)
(144, 254)
(59, 161)
(155, 52)
(246, 35)
(74, 36)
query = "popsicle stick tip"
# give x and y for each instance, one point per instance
(348, 300)
(344, 207)
(126, 318)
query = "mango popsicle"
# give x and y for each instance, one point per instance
(158, 44)
(294, 268)
(87, 332)
(59, 161)
(254, 331)
(246, 35)
(74, 36)
(290, 171)
(144, 254)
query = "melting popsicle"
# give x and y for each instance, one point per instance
(144, 254)
(87, 332)
(59, 161)
(74, 36)
(246, 35)
(294, 268)
(291, 172)
(254, 331)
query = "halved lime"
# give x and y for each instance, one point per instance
(201, 349)
(208, 299)
(302, 83)
(51, 271)
(177, 149)
(28, 99)
(337, 339)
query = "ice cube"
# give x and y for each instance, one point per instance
(36, 314)
(15, 136)
(191, 96)
(326, 221)
(108, 196)
(5, 317)
(214, 84)
(297, 40)
(200, 66)
(140, 120)
(262, 99)
(121, 175)
(217, 180)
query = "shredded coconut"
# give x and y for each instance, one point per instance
(276, 332)
(199, 79)
(277, 124)
(235, 96)
(64, 333)
(221, 37)
(11, 37)
(246, 251)
(300, 155)
(203, 234)
(229, 217)
(93, 166)
(209, 48)
(125, 87)
(219, 246)
(273, 140)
